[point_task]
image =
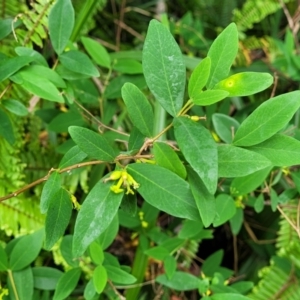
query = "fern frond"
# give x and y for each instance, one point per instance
(254, 11)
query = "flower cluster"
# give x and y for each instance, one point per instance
(125, 181)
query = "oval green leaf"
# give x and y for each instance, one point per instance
(99, 279)
(15, 106)
(225, 209)
(139, 108)
(22, 255)
(180, 281)
(222, 54)
(199, 77)
(209, 97)
(46, 278)
(199, 149)
(66, 284)
(61, 23)
(164, 67)
(237, 162)
(167, 158)
(164, 190)
(92, 143)
(72, 157)
(6, 128)
(58, 217)
(96, 213)
(78, 62)
(245, 84)
(281, 150)
(117, 275)
(267, 119)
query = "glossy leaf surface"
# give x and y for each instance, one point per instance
(164, 67)
(209, 97)
(199, 149)
(267, 119)
(164, 190)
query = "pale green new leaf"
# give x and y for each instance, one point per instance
(225, 126)
(205, 201)
(118, 276)
(97, 212)
(139, 108)
(58, 217)
(267, 119)
(61, 23)
(209, 97)
(97, 52)
(92, 143)
(166, 157)
(99, 278)
(199, 149)
(180, 281)
(164, 190)
(225, 209)
(199, 78)
(281, 150)
(78, 62)
(237, 162)
(52, 185)
(22, 255)
(164, 67)
(246, 83)
(222, 54)
(66, 284)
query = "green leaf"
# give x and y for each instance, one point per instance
(209, 97)
(164, 68)
(6, 128)
(266, 120)
(22, 283)
(6, 27)
(97, 52)
(96, 253)
(222, 54)
(66, 250)
(245, 84)
(22, 255)
(167, 158)
(37, 57)
(225, 126)
(12, 65)
(228, 296)
(246, 184)
(199, 149)
(139, 108)
(46, 278)
(136, 140)
(40, 86)
(225, 209)
(281, 150)
(96, 213)
(236, 221)
(212, 263)
(52, 185)
(89, 290)
(15, 106)
(58, 217)
(117, 275)
(99, 279)
(107, 237)
(129, 204)
(274, 200)
(72, 157)
(237, 162)
(180, 281)
(128, 66)
(259, 203)
(199, 78)
(78, 62)
(3, 260)
(66, 284)
(164, 190)
(170, 265)
(92, 143)
(158, 252)
(204, 200)
(61, 23)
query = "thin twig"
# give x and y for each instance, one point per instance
(275, 85)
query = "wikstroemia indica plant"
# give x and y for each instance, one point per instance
(184, 177)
